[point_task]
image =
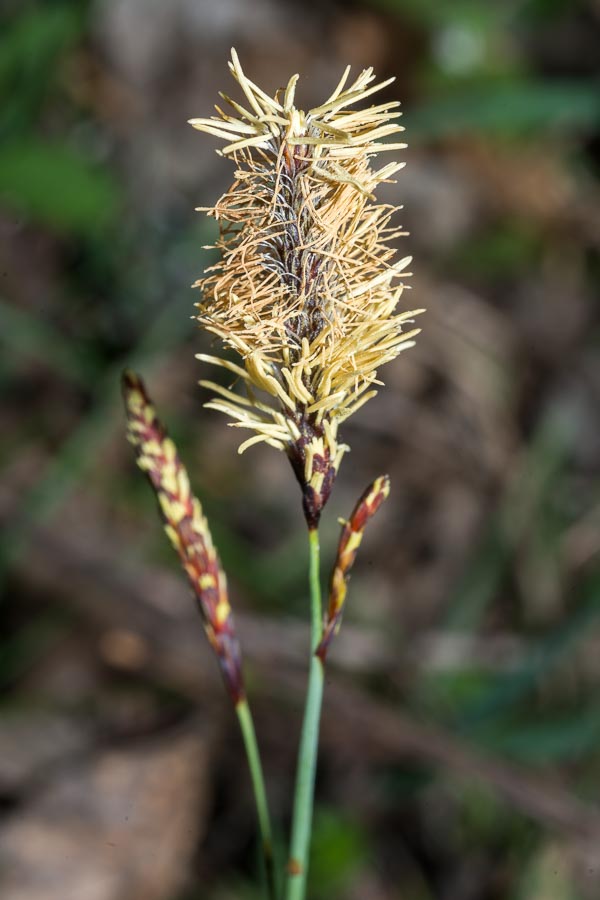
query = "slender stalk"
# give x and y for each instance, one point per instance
(260, 795)
(307, 757)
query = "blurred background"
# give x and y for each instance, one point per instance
(460, 757)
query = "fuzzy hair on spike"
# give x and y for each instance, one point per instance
(307, 287)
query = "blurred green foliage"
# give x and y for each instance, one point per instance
(43, 176)
(55, 186)
(521, 108)
(339, 849)
(34, 44)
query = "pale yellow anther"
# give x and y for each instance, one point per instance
(173, 537)
(316, 482)
(177, 512)
(169, 450)
(207, 580)
(354, 541)
(165, 505)
(307, 287)
(308, 463)
(168, 478)
(183, 484)
(222, 612)
(152, 448)
(135, 400)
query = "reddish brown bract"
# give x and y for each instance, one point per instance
(186, 528)
(350, 540)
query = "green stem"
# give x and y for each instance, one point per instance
(260, 795)
(307, 757)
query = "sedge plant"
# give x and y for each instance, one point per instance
(306, 295)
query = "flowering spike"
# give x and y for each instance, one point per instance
(307, 286)
(350, 540)
(186, 528)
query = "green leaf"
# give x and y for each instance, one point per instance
(54, 185)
